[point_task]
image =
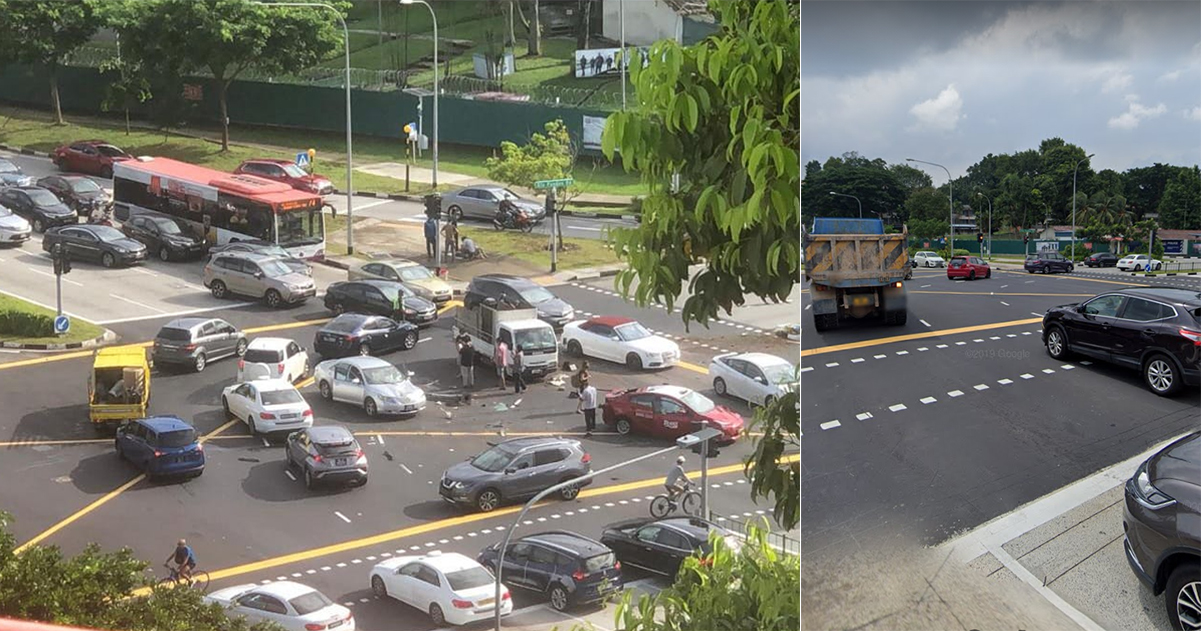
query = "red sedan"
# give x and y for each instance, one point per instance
(668, 412)
(89, 156)
(969, 267)
(288, 173)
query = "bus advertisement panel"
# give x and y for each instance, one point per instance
(221, 206)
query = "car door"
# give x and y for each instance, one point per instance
(239, 274)
(604, 343)
(540, 569)
(251, 606)
(81, 243)
(18, 202)
(139, 229)
(735, 378)
(239, 401)
(348, 384)
(520, 477)
(1138, 326)
(642, 408)
(468, 201)
(673, 549)
(427, 588)
(646, 550)
(756, 381)
(516, 558)
(550, 467)
(401, 584)
(296, 360)
(133, 443)
(209, 339)
(375, 302)
(378, 335)
(1092, 328)
(672, 418)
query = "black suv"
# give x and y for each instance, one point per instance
(515, 292)
(39, 206)
(1156, 330)
(570, 569)
(518, 468)
(1047, 262)
(1101, 259)
(1162, 522)
(380, 297)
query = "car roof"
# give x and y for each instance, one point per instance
(269, 342)
(272, 385)
(286, 590)
(448, 561)
(508, 279)
(165, 423)
(357, 318)
(363, 361)
(674, 391)
(374, 282)
(1189, 298)
(611, 321)
(186, 323)
(396, 262)
(323, 434)
(271, 160)
(537, 441)
(761, 359)
(251, 256)
(692, 526)
(571, 542)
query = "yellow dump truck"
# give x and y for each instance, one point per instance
(855, 271)
(119, 386)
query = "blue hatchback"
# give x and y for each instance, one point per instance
(161, 446)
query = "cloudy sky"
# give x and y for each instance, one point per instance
(951, 81)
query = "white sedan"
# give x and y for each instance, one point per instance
(273, 358)
(1138, 263)
(756, 378)
(450, 587)
(926, 258)
(621, 340)
(267, 405)
(370, 382)
(292, 606)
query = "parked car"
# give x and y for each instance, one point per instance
(103, 244)
(11, 174)
(1139, 263)
(660, 546)
(257, 276)
(167, 237)
(161, 446)
(621, 340)
(374, 384)
(570, 569)
(195, 342)
(267, 405)
(273, 358)
(1047, 262)
(293, 606)
(522, 293)
(328, 453)
(668, 412)
(1161, 519)
(969, 267)
(258, 246)
(451, 588)
(14, 230)
(355, 333)
(39, 206)
(380, 297)
(78, 192)
(411, 274)
(926, 258)
(482, 202)
(289, 173)
(1155, 330)
(89, 156)
(1101, 259)
(516, 469)
(757, 378)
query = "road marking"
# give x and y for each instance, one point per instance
(940, 346)
(1036, 314)
(831, 425)
(1005, 303)
(1004, 382)
(902, 352)
(929, 400)
(135, 302)
(693, 367)
(1067, 367)
(857, 360)
(864, 416)
(897, 408)
(1048, 371)
(373, 204)
(342, 517)
(981, 387)
(1026, 376)
(955, 393)
(990, 294)
(807, 307)
(879, 356)
(807, 369)
(915, 336)
(960, 343)
(923, 349)
(288, 472)
(831, 364)
(1004, 286)
(924, 286)
(65, 280)
(407, 470)
(67, 521)
(185, 312)
(925, 323)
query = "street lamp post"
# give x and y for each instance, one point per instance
(951, 192)
(854, 198)
(438, 219)
(349, 148)
(1074, 202)
(989, 224)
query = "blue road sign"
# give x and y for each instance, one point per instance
(302, 159)
(62, 324)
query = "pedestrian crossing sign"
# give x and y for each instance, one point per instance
(302, 159)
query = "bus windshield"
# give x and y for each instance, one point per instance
(305, 226)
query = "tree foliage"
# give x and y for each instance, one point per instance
(43, 34)
(1180, 206)
(928, 204)
(548, 156)
(877, 187)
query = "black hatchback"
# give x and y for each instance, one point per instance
(380, 297)
(570, 569)
(357, 334)
(1156, 330)
(1101, 259)
(1162, 523)
(660, 546)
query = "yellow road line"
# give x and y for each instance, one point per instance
(281, 327)
(991, 294)
(39, 443)
(450, 304)
(693, 367)
(433, 434)
(304, 383)
(915, 336)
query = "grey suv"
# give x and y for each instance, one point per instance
(194, 342)
(516, 469)
(327, 453)
(257, 276)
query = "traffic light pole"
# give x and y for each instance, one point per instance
(554, 222)
(705, 479)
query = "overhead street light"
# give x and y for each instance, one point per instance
(854, 198)
(951, 192)
(1074, 169)
(978, 194)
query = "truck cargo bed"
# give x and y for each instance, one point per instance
(856, 260)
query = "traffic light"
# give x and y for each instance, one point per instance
(433, 205)
(550, 205)
(62, 260)
(698, 449)
(979, 237)
(1025, 238)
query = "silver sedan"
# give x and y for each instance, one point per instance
(370, 382)
(482, 202)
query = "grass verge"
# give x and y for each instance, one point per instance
(531, 248)
(80, 329)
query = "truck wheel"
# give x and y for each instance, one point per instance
(825, 322)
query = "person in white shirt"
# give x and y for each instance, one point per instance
(587, 404)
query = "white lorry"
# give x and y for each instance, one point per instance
(481, 320)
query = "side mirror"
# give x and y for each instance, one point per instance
(258, 274)
(761, 380)
(355, 381)
(509, 470)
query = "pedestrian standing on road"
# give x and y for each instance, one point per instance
(587, 404)
(431, 238)
(502, 360)
(467, 363)
(518, 368)
(450, 234)
(579, 380)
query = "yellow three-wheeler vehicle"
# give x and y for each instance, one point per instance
(119, 387)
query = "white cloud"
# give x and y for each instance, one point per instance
(1131, 98)
(941, 112)
(1170, 76)
(1193, 114)
(1135, 115)
(1117, 82)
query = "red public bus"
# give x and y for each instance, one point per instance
(222, 206)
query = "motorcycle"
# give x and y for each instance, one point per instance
(513, 218)
(100, 216)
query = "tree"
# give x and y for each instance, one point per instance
(928, 204)
(1145, 187)
(127, 86)
(876, 186)
(44, 33)
(910, 178)
(533, 28)
(225, 37)
(725, 115)
(583, 28)
(927, 229)
(1180, 206)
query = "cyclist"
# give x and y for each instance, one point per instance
(184, 558)
(677, 481)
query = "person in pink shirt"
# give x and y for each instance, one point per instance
(502, 360)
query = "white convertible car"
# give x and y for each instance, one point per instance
(293, 606)
(757, 378)
(620, 340)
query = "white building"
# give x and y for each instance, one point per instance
(648, 21)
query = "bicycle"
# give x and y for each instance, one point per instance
(198, 580)
(689, 500)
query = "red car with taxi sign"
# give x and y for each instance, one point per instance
(669, 412)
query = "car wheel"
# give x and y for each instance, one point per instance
(558, 598)
(274, 300)
(1046, 269)
(108, 260)
(719, 386)
(569, 493)
(38, 226)
(768, 400)
(574, 348)
(370, 407)
(250, 425)
(1057, 343)
(436, 615)
(988, 273)
(456, 213)
(1183, 596)
(633, 361)
(200, 362)
(106, 172)
(225, 406)
(487, 500)
(164, 254)
(309, 482)
(410, 341)
(240, 347)
(218, 289)
(1160, 374)
(339, 308)
(1071, 268)
(378, 588)
(364, 349)
(623, 426)
(971, 275)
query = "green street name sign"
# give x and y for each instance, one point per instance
(544, 184)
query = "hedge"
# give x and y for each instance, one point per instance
(25, 324)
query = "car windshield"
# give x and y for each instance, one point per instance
(698, 402)
(469, 578)
(177, 438)
(540, 339)
(492, 460)
(599, 562)
(42, 197)
(166, 226)
(394, 292)
(281, 397)
(8, 167)
(415, 272)
(263, 355)
(632, 331)
(111, 151)
(779, 373)
(303, 226)
(107, 233)
(83, 185)
(294, 171)
(509, 195)
(536, 295)
(274, 267)
(383, 375)
(310, 602)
